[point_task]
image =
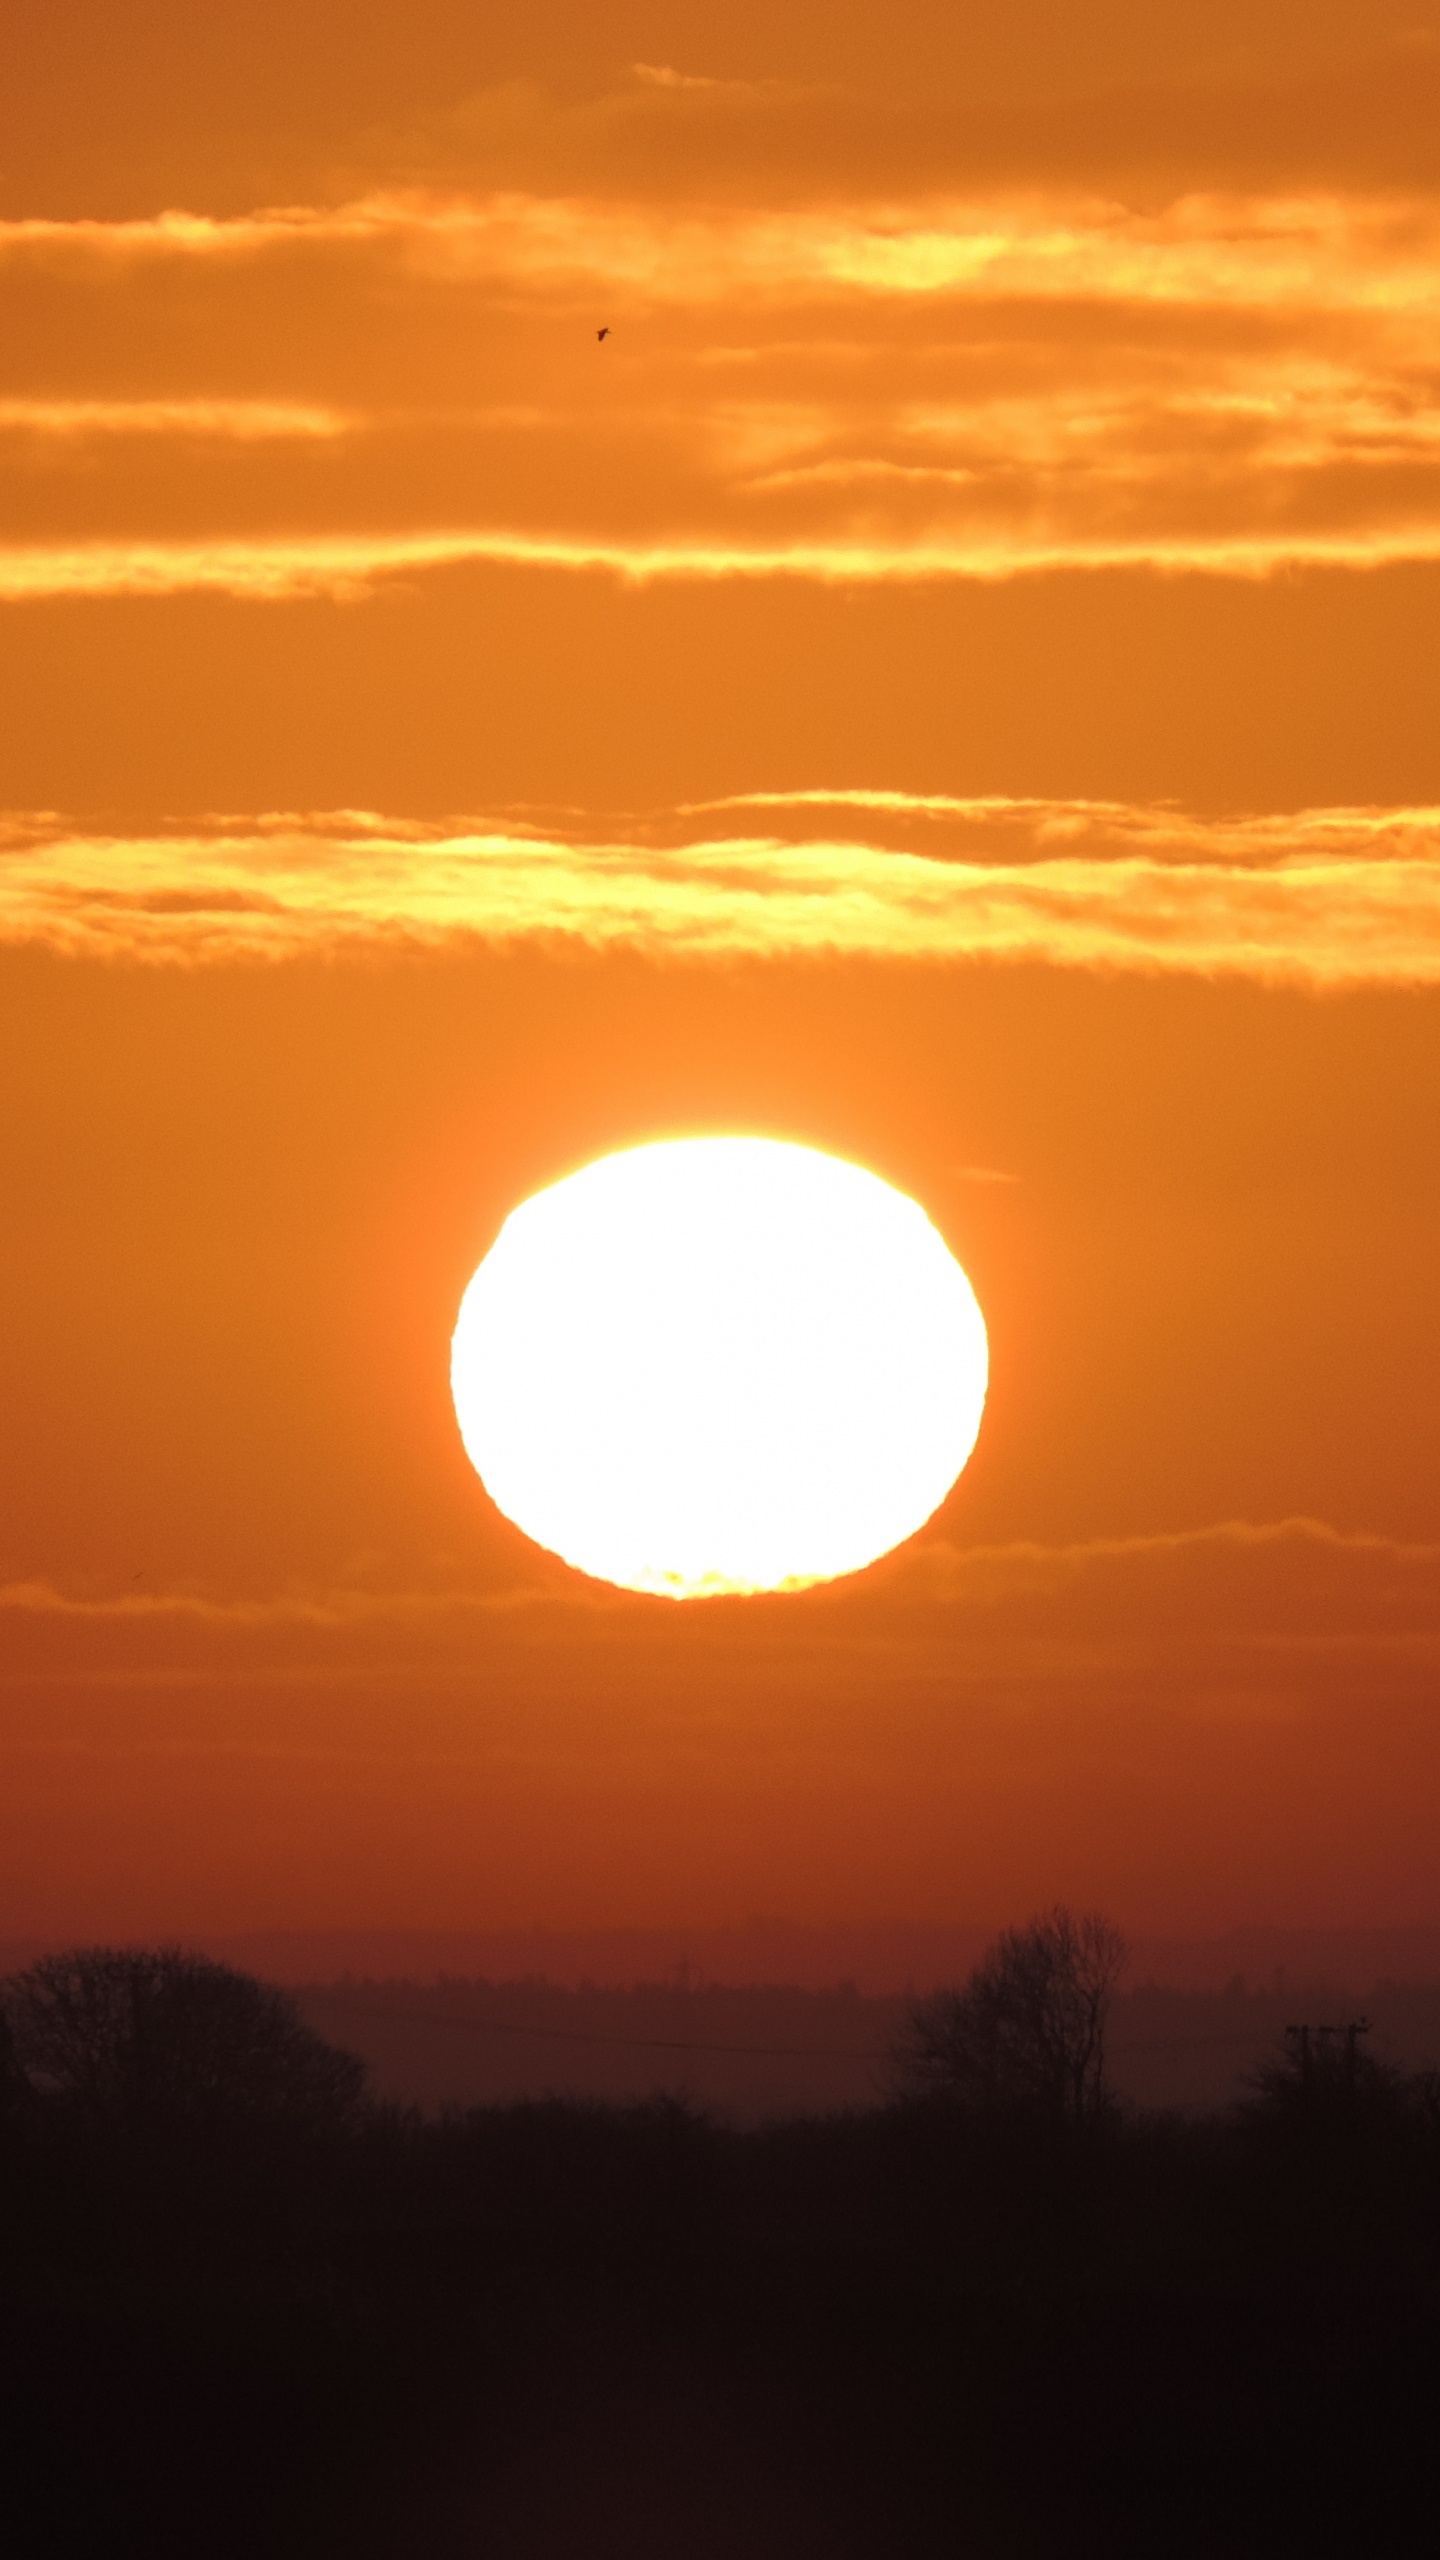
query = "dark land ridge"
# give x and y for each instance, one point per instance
(249, 2311)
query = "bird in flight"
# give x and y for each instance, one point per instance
(603, 334)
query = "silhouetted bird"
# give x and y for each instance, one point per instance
(602, 333)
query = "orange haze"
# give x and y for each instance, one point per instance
(952, 677)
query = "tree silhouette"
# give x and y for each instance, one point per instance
(135, 2040)
(1028, 2028)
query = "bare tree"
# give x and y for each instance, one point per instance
(1028, 2028)
(135, 2039)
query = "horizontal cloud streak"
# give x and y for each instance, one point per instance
(1328, 898)
(1321, 252)
(930, 1567)
(845, 391)
(349, 566)
(243, 421)
(1294, 1587)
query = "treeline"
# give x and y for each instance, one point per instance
(248, 2311)
(754, 2052)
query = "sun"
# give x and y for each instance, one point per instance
(719, 1365)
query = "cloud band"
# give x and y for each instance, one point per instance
(1326, 899)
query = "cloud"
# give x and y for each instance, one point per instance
(347, 567)
(1287, 1561)
(1278, 1595)
(1110, 98)
(1240, 1709)
(658, 75)
(1313, 253)
(331, 1610)
(957, 386)
(1324, 899)
(241, 421)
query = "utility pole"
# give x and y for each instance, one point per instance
(1314, 2048)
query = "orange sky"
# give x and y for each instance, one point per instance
(952, 678)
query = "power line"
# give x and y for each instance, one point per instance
(754, 2052)
(582, 2035)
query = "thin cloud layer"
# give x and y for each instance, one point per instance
(349, 567)
(768, 105)
(1284, 1592)
(1328, 898)
(953, 386)
(1106, 1721)
(1315, 252)
(244, 421)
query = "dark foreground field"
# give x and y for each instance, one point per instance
(556, 2331)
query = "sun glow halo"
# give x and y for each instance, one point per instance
(719, 1365)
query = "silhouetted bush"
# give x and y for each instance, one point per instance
(137, 2042)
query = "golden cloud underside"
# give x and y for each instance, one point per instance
(1326, 898)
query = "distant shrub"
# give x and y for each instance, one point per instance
(137, 2039)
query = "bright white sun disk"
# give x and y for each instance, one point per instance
(720, 1364)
